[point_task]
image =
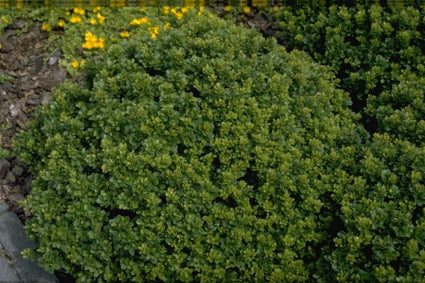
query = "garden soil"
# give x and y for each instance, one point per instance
(29, 70)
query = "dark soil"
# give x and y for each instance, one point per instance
(31, 65)
(256, 19)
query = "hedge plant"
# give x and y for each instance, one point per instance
(372, 49)
(383, 214)
(377, 53)
(205, 154)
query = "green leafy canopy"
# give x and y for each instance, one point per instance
(208, 154)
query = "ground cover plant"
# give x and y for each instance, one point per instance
(196, 150)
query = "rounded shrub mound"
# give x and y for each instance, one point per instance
(207, 153)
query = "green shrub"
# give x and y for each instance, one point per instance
(401, 110)
(371, 49)
(383, 215)
(377, 53)
(206, 154)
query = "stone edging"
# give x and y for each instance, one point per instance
(13, 240)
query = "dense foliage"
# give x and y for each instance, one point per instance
(383, 214)
(206, 153)
(200, 151)
(377, 53)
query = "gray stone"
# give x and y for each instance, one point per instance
(45, 98)
(17, 24)
(26, 188)
(29, 271)
(3, 208)
(53, 60)
(7, 274)
(10, 178)
(4, 165)
(18, 170)
(17, 197)
(12, 235)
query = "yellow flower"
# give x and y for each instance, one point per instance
(125, 34)
(154, 31)
(167, 25)
(61, 23)
(0, 45)
(5, 20)
(144, 20)
(100, 18)
(140, 21)
(101, 43)
(275, 9)
(75, 19)
(201, 9)
(227, 8)
(91, 41)
(88, 45)
(135, 22)
(185, 9)
(246, 10)
(88, 35)
(46, 27)
(179, 15)
(166, 10)
(79, 11)
(82, 62)
(93, 21)
(97, 9)
(75, 64)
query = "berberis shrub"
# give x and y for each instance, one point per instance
(377, 53)
(207, 153)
